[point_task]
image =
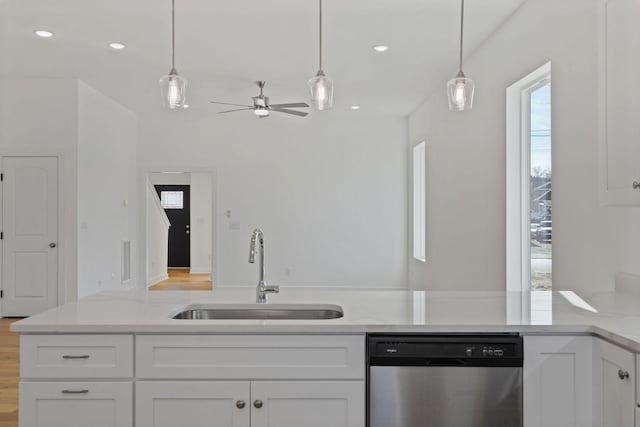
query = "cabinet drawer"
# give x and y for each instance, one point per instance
(250, 357)
(76, 356)
(76, 404)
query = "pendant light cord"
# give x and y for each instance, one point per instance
(461, 32)
(173, 34)
(320, 52)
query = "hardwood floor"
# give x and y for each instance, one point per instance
(9, 374)
(182, 280)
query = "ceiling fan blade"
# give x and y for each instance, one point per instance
(295, 113)
(233, 111)
(226, 103)
(293, 105)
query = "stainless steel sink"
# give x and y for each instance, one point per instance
(260, 311)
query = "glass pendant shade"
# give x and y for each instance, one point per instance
(173, 89)
(321, 91)
(461, 90)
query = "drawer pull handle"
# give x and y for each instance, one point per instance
(636, 185)
(623, 375)
(75, 391)
(71, 356)
(258, 404)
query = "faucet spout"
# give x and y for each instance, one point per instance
(263, 289)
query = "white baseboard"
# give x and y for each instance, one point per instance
(157, 279)
(629, 283)
(200, 271)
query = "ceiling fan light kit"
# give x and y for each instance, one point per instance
(461, 89)
(173, 87)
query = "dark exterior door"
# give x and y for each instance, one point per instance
(176, 203)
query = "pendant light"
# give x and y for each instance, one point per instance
(461, 88)
(173, 87)
(321, 86)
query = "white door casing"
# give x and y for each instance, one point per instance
(30, 235)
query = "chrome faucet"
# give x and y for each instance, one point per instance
(263, 289)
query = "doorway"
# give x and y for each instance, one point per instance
(176, 202)
(179, 231)
(29, 235)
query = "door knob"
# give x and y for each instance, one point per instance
(257, 404)
(240, 404)
(52, 245)
(623, 375)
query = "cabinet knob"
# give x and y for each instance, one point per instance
(636, 185)
(258, 404)
(240, 404)
(52, 245)
(623, 375)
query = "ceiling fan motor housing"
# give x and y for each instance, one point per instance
(261, 101)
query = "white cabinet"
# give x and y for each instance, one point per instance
(193, 403)
(619, 105)
(308, 403)
(250, 381)
(614, 385)
(557, 381)
(76, 356)
(76, 380)
(250, 356)
(76, 404)
(250, 404)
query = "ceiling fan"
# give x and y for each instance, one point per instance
(262, 107)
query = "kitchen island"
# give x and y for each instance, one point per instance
(120, 358)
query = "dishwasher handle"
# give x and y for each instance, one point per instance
(445, 362)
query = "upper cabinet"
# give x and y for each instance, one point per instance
(619, 102)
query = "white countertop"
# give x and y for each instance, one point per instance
(613, 316)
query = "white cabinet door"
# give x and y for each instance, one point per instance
(76, 404)
(619, 134)
(614, 386)
(193, 404)
(557, 381)
(308, 404)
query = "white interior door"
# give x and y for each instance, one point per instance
(30, 235)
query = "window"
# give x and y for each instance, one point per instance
(171, 199)
(419, 202)
(529, 183)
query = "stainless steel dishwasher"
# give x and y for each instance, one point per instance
(445, 380)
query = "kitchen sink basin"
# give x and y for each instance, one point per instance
(260, 312)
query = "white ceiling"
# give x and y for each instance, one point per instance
(223, 46)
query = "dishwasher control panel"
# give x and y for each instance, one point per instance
(434, 350)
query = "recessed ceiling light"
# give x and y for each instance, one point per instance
(355, 107)
(43, 33)
(116, 46)
(381, 48)
(186, 106)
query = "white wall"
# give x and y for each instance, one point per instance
(107, 136)
(201, 192)
(466, 159)
(329, 192)
(157, 236)
(39, 117)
